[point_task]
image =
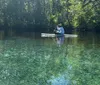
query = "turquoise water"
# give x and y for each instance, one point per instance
(25, 61)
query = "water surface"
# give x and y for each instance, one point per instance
(40, 61)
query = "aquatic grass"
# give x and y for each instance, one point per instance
(85, 67)
(30, 62)
(27, 63)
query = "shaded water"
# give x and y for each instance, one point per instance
(40, 61)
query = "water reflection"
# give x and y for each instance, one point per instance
(60, 40)
(1, 35)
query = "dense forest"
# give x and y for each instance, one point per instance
(44, 15)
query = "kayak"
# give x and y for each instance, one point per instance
(54, 35)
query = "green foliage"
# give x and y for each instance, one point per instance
(32, 13)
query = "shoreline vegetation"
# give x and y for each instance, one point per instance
(17, 16)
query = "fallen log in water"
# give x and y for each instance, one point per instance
(53, 35)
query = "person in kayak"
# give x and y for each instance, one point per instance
(59, 32)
